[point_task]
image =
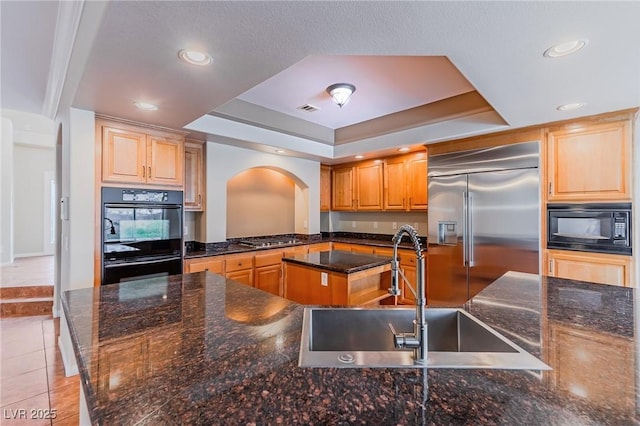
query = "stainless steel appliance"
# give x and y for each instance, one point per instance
(484, 214)
(142, 234)
(602, 228)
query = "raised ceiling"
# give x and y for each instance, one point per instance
(456, 68)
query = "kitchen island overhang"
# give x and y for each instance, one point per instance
(232, 358)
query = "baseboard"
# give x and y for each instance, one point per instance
(16, 256)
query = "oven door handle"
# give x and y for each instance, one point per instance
(142, 262)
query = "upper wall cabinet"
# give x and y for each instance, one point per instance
(194, 178)
(369, 186)
(405, 182)
(138, 155)
(343, 193)
(589, 163)
(325, 188)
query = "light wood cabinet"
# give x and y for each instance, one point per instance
(325, 188)
(268, 272)
(194, 179)
(593, 267)
(589, 163)
(136, 155)
(362, 249)
(343, 193)
(405, 182)
(326, 246)
(239, 267)
(369, 186)
(407, 264)
(210, 264)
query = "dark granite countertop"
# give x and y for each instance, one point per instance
(220, 249)
(200, 349)
(343, 262)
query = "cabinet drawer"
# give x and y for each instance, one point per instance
(238, 263)
(342, 246)
(268, 258)
(407, 257)
(205, 264)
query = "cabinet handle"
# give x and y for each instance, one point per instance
(149, 171)
(550, 188)
(550, 267)
(144, 170)
(206, 269)
(199, 198)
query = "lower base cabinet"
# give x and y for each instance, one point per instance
(594, 267)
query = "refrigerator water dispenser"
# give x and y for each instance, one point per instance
(447, 233)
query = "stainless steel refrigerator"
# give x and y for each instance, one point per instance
(484, 213)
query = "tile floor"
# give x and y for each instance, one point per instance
(28, 271)
(32, 379)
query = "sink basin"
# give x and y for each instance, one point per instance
(361, 338)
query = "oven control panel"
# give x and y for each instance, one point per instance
(144, 195)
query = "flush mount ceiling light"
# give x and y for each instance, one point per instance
(359, 157)
(145, 106)
(341, 92)
(570, 107)
(195, 57)
(403, 149)
(279, 151)
(564, 49)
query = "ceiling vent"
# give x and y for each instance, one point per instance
(308, 108)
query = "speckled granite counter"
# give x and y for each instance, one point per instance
(343, 262)
(200, 349)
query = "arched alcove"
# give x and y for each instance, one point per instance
(266, 200)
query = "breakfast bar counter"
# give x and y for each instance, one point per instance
(201, 349)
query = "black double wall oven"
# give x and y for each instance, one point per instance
(142, 234)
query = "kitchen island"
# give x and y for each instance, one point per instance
(337, 277)
(201, 349)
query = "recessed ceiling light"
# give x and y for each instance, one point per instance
(403, 149)
(566, 48)
(279, 151)
(195, 57)
(146, 106)
(569, 107)
(359, 157)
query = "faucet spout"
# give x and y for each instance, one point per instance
(418, 340)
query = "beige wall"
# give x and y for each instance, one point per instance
(260, 201)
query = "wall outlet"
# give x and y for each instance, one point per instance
(416, 226)
(324, 279)
(305, 225)
(353, 223)
(186, 230)
(375, 225)
(394, 225)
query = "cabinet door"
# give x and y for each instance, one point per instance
(593, 267)
(343, 193)
(325, 188)
(123, 155)
(215, 266)
(342, 246)
(409, 268)
(361, 248)
(269, 279)
(369, 186)
(319, 247)
(165, 159)
(417, 176)
(395, 184)
(244, 276)
(193, 177)
(590, 163)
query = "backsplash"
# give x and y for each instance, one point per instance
(372, 222)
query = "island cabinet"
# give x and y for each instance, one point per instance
(589, 163)
(194, 176)
(593, 267)
(138, 155)
(337, 278)
(214, 264)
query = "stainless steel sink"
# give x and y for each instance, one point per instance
(359, 338)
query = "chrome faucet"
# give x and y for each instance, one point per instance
(418, 339)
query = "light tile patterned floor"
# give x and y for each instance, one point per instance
(32, 380)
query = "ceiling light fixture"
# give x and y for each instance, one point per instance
(564, 49)
(341, 92)
(570, 107)
(279, 151)
(195, 57)
(359, 157)
(403, 149)
(145, 106)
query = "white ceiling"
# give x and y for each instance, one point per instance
(398, 54)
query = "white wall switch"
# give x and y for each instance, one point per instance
(324, 279)
(305, 225)
(394, 225)
(353, 223)
(375, 225)
(186, 230)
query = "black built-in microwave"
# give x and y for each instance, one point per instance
(601, 228)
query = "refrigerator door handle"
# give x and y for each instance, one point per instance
(465, 227)
(471, 245)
